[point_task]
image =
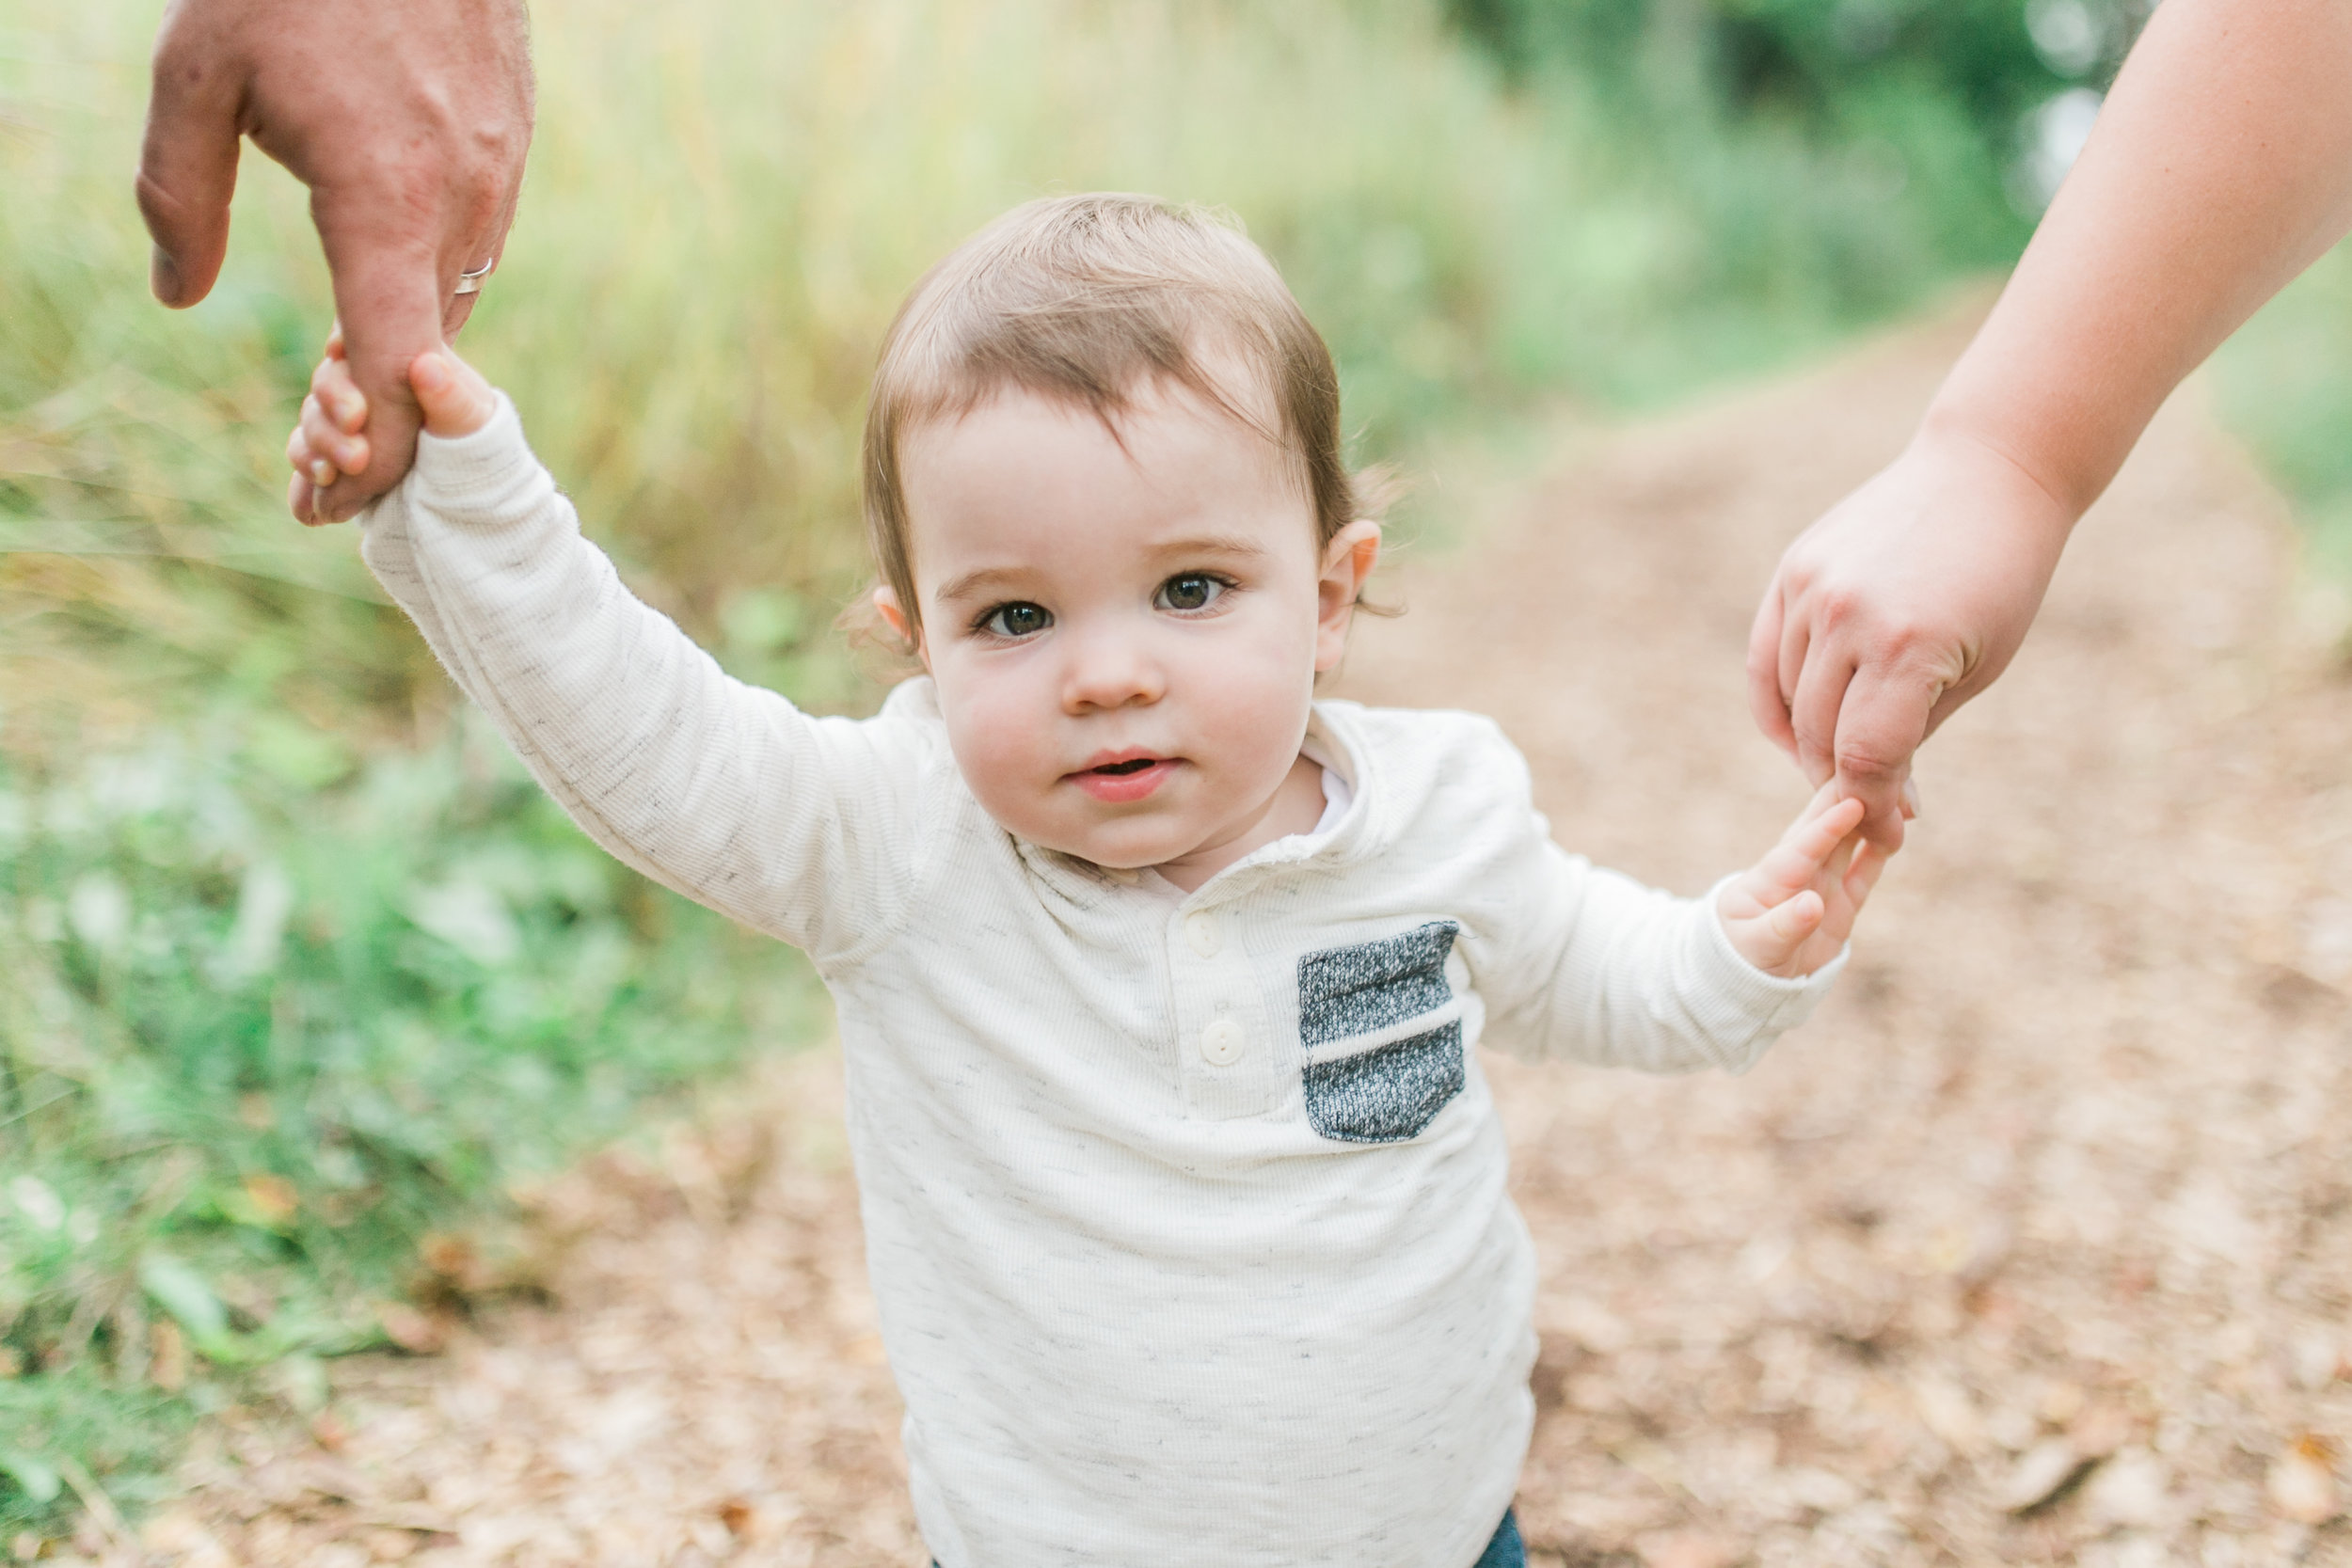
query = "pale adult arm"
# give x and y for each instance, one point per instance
(409, 122)
(2220, 166)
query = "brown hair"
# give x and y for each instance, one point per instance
(1087, 298)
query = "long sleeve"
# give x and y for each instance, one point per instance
(1585, 964)
(812, 829)
(1627, 975)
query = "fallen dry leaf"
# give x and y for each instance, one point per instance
(167, 1355)
(418, 1332)
(2301, 1484)
(2048, 1469)
(273, 1197)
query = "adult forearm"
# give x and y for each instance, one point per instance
(2220, 166)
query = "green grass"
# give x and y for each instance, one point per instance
(258, 1041)
(2285, 384)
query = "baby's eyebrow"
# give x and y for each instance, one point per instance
(973, 583)
(1212, 544)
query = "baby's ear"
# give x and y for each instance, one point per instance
(895, 616)
(455, 399)
(1347, 561)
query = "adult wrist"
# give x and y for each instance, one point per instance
(1992, 460)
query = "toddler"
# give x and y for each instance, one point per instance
(1158, 979)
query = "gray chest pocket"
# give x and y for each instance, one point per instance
(1383, 1034)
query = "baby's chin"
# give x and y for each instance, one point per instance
(1123, 842)
(1133, 846)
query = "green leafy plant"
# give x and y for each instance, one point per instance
(258, 1040)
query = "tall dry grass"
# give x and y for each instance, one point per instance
(726, 201)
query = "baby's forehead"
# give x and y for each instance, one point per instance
(1023, 475)
(1153, 421)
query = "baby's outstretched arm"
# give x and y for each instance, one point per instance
(1792, 912)
(809, 828)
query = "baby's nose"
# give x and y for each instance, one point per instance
(1109, 672)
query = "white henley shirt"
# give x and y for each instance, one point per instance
(1185, 1213)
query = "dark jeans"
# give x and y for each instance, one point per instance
(1506, 1550)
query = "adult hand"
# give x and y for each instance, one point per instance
(1902, 602)
(2220, 166)
(409, 122)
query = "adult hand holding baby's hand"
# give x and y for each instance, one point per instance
(328, 442)
(1790, 913)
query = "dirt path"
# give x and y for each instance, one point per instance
(2037, 1247)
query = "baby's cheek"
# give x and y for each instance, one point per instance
(1003, 753)
(1253, 703)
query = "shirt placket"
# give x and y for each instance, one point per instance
(1225, 1047)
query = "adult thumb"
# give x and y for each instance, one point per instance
(188, 161)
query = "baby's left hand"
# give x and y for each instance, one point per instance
(1790, 913)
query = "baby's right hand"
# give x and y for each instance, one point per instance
(455, 400)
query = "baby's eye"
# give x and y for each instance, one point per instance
(1190, 591)
(1016, 621)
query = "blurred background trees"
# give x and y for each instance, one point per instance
(300, 978)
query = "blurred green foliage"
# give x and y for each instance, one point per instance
(1993, 59)
(2285, 383)
(258, 1041)
(1936, 104)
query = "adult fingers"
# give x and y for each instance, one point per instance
(486, 247)
(388, 289)
(1870, 863)
(1767, 703)
(1878, 725)
(1815, 697)
(1798, 650)
(188, 160)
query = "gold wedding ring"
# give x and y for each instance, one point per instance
(470, 282)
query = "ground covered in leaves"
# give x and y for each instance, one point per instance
(2035, 1246)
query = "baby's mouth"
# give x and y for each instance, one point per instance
(1126, 779)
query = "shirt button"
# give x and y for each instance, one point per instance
(1201, 935)
(1221, 1043)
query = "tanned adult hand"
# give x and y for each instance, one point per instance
(2220, 166)
(407, 121)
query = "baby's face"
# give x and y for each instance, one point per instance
(1124, 642)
